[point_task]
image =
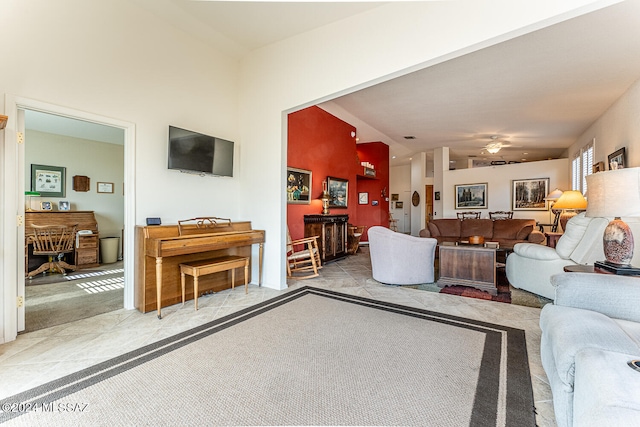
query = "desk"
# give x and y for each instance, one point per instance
(86, 252)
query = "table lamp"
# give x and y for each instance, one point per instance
(28, 196)
(552, 198)
(570, 202)
(615, 193)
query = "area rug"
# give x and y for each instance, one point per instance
(306, 357)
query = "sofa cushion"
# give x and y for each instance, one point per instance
(515, 229)
(476, 227)
(444, 227)
(576, 227)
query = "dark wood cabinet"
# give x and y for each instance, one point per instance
(332, 234)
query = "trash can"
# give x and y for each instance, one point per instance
(109, 249)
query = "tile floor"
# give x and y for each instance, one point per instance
(41, 356)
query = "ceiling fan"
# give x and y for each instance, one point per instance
(496, 144)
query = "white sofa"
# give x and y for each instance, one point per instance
(531, 266)
(589, 334)
(400, 259)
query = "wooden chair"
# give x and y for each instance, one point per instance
(469, 215)
(54, 241)
(303, 256)
(393, 223)
(554, 224)
(501, 215)
(354, 233)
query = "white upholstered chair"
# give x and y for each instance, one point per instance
(400, 259)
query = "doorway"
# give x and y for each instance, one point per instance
(12, 281)
(428, 204)
(90, 154)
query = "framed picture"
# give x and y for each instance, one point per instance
(395, 197)
(529, 194)
(298, 186)
(374, 203)
(338, 191)
(436, 195)
(63, 205)
(363, 198)
(617, 159)
(471, 196)
(45, 206)
(105, 187)
(48, 180)
(399, 205)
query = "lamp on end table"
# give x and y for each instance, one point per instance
(570, 202)
(616, 193)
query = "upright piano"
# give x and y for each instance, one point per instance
(160, 249)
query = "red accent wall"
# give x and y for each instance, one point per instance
(322, 143)
(376, 153)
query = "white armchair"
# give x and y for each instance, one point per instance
(531, 266)
(400, 259)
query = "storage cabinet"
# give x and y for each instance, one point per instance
(332, 234)
(87, 250)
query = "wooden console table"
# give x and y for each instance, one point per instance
(331, 231)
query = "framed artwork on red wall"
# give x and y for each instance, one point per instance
(338, 189)
(298, 186)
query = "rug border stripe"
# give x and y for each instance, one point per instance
(488, 381)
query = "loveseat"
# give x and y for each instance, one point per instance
(589, 334)
(507, 232)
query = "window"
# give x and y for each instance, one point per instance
(581, 166)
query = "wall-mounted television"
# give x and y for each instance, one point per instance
(198, 153)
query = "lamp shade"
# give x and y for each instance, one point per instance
(554, 195)
(614, 193)
(571, 199)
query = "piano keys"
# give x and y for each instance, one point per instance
(161, 249)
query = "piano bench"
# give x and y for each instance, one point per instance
(210, 266)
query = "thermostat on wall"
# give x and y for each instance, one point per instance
(153, 221)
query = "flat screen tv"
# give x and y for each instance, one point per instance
(198, 153)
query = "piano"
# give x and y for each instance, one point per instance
(161, 249)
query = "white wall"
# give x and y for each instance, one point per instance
(618, 127)
(499, 181)
(116, 60)
(100, 161)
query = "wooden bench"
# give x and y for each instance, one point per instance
(210, 266)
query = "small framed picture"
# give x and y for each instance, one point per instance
(105, 187)
(395, 197)
(45, 206)
(338, 191)
(617, 159)
(63, 205)
(363, 198)
(374, 203)
(399, 205)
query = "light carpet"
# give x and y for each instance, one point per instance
(307, 357)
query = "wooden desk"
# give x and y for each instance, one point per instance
(161, 249)
(86, 253)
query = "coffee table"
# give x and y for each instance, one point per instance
(470, 265)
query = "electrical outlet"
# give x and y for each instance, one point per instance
(20, 220)
(20, 301)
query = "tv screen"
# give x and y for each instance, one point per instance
(198, 153)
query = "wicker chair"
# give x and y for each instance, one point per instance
(54, 241)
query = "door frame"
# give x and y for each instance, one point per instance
(12, 184)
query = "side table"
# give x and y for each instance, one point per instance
(552, 238)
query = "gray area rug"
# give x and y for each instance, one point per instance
(307, 357)
(56, 299)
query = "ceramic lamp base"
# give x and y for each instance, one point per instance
(618, 243)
